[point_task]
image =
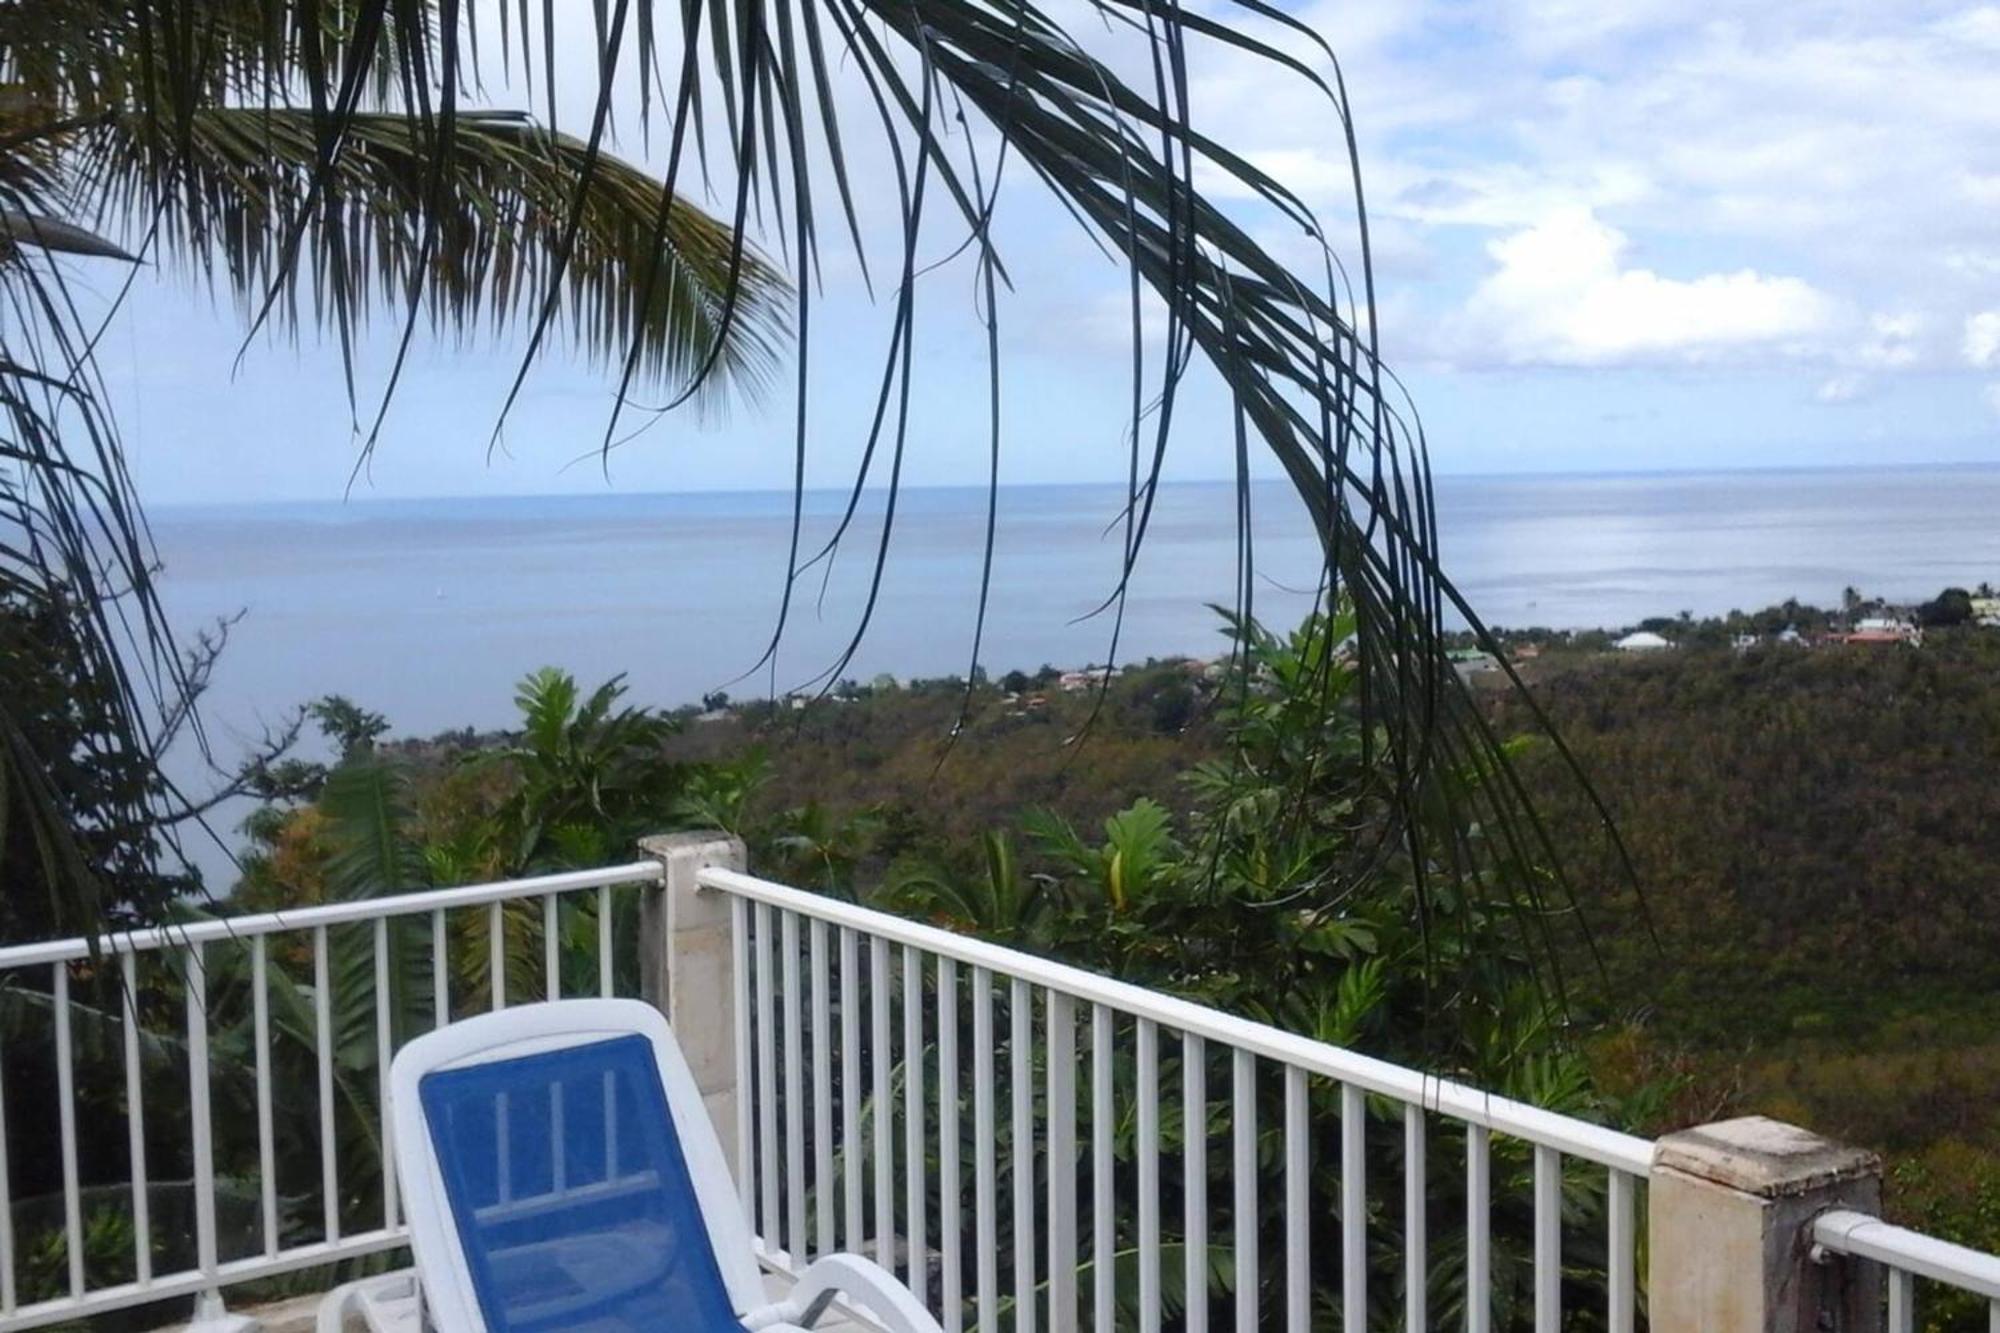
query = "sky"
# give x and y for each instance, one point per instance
(1610, 235)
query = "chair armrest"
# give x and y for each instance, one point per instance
(390, 1303)
(863, 1282)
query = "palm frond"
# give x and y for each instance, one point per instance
(757, 99)
(466, 232)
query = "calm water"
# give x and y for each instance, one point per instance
(429, 611)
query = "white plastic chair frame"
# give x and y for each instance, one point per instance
(392, 1304)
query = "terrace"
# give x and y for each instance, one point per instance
(1032, 1146)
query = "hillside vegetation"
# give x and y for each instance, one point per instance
(1814, 836)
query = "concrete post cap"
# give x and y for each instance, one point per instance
(664, 845)
(1764, 1157)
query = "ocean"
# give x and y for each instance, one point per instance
(430, 610)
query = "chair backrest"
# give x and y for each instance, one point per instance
(560, 1173)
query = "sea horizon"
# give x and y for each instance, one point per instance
(613, 491)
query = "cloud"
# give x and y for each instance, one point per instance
(1893, 341)
(1982, 339)
(1561, 293)
(1842, 388)
(1993, 398)
(1974, 27)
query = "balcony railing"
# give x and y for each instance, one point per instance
(297, 1010)
(852, 1018)
(1032, 1146)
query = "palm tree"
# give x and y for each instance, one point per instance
(265, 148)
(360, 125)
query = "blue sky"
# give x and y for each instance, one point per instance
(1610, 235)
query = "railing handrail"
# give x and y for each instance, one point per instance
(1607, 1147)
(1844, 1231)
(328, 914)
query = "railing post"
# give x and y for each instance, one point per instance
(688, 965)
(1730, 1208)
(210, 1316)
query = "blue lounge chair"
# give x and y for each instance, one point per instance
(560, 1175)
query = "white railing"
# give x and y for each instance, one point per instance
(1083, 1192)
(374, 947)
(1906, 1256)
(1010, 1134)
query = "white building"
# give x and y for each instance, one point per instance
(1642, 641)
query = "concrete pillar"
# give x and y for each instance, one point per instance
(1730, 1209)
(688, 966)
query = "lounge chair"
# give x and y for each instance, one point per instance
(560, 1175)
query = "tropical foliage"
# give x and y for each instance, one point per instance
(326, 161)
(295, 155)
(1278, 896)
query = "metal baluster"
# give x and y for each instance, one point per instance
(1548, 1240)
(769, 1223)
(440, 971)
(1298, 1210)
(739, 949)
(135, 1117)
(884, 1107)
(1353, 1209)
(384, 1041)
(1146, 1153)
(1102, 1111)
(822, 1076)
(916, 1185)
(795, 1094)
(1416, 1261)
(267, 1170)
(496, 954)
(950, 1218)
(199, 1119)
(1619, 1240)
(1194, 1203)
(1902, 1301)
(985, 1145)
(1243, 1111)
(1478, 1229)
(66, 1119)
(1061, 1045)
(606, 982)
(1021, 1139)
(850, 1085)
(552, 945)
(329, 1167)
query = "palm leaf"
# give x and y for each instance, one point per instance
(469, 232)
(1097, 116)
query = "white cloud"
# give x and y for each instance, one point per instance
(1892, 342)
(1842, 388)
(1982, 339)
(1562, 294)
(1846, 143)
(1993, 398)
(1974, 27)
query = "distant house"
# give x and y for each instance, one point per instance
(1469, 662)
(1642, 641)
(1907, 634)
(1884, 630)
(1074, 681)
(1986, 611)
